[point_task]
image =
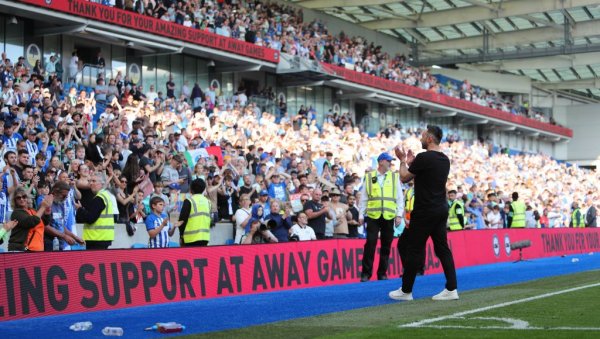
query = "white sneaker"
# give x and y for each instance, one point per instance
(446, 295)
(399, 295)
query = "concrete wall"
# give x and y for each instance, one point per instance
(585, 122)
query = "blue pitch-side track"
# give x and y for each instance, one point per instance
(236, 312)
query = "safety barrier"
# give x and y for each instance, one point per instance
(41, 284)
(221, 234)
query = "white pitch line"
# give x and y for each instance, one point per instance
(486, 308)
(441, 327)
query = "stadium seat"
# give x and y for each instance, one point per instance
(138, 245)
(174, 244)
(229, 242)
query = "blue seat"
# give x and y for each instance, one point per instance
(229, 242)
(80, 88)
(174, 244)
(138, 245)
(67, 86)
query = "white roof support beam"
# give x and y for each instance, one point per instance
(516, 38)
(466, 14)
(571, 84)
(561, 61)
(542, 21)
(482, 4)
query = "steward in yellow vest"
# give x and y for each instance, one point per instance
(409, 203)
(194, 219)
(456, 220)
(381, 203)
(516, 216)
(99, 217)
(577, 219)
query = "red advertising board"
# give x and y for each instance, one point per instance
(419, 93)
(152, 25)
(40, 284)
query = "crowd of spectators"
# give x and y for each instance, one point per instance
(282, 28)
(257, 167)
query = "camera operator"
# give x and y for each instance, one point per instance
(259, 233)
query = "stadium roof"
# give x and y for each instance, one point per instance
(554, 42)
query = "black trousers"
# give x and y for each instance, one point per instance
(411, 247)
(374, 227)
(199, 243)
(97, 245)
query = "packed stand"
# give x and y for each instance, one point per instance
(282, 28)
(267, 175)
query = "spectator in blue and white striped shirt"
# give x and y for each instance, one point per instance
(157, 224)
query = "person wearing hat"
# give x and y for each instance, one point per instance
(263, 199)
(456, 221)
(341, 214)
(194, 219)
(381, 205)
(429, 217)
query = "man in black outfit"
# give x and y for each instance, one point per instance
(428, 219)
(590, 215)
(317, 213)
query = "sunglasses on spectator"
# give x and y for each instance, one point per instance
(20, 197)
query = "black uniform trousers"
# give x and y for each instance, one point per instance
(374, 227)
(412, 244)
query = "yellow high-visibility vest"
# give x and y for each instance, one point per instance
(574, 221)
(103, 229)
(453, 222)
(518, 219)
(197, 227)
(381, 201)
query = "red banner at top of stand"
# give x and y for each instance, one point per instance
(419, 93)
(156, 26)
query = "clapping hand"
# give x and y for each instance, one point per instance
(48, 200)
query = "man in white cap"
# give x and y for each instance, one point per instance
(381, 205)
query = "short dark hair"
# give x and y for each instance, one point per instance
(198, 186)
(435, 132)
(155, 200)
(7, 154)
(515, 196)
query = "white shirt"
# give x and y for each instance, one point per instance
(495, 220)
(304, 233)
(362, 204)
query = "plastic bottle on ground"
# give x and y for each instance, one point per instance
(170, 327)
(112, 331)
(81, 326)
